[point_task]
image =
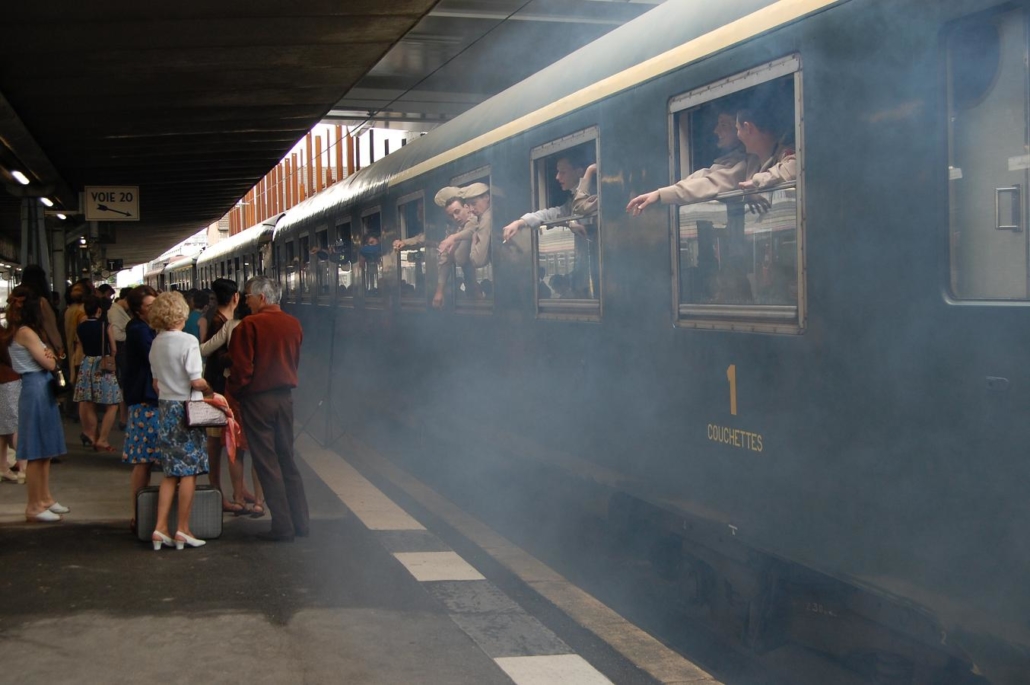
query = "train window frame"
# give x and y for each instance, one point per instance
(1010, 198)
(461, 304)
(307, 295)
(289, 270)
(416, 302)
(751, 318)
(370, 301)
(578, 309)
(344, 299)
(322, 277)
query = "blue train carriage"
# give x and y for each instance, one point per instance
(238, 257)
(807, 400)
(154, 274)
(180, 273)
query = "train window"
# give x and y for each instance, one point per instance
(469, 264)
(988, 164)
(370, 255)
(341, 254)
(566, 227)
(323, 274)
(290, 270)
(411, 249)
(737, 227)
(304, 253)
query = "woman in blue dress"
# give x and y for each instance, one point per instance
(142, 427)
(40, 433)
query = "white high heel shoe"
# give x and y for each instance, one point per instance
(181, 540)
(59, 508)
(160, 539)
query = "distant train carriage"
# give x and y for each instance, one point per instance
(180, 273)
(238, 257)
(155, 275)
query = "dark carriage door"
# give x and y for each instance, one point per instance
(988, 157)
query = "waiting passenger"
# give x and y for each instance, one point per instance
(469, 248)
(198, 300)
(571, 169)
(726, 173)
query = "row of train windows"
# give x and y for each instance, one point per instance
(738, 252)
(238, 269)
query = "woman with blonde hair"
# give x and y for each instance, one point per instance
(178, 374)
(40, 434)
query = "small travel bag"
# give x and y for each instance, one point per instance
(205, 517)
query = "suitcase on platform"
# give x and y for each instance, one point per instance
(205, 518)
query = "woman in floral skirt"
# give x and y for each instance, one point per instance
(178, 371)
(142, 426)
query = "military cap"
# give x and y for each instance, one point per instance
(446, 194)
(474, 190)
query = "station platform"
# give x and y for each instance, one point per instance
(374, 595)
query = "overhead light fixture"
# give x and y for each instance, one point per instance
(82, 240)
(47, 201)
(62, 217)
(20, 178)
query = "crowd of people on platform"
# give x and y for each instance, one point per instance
(136, 361)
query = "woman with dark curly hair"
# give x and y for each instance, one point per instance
(40, 434)
(142, 428)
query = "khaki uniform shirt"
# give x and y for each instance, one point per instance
(781, 167)
(725, 174)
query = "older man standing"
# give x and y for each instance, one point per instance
(265, 352)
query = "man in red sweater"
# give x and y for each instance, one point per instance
(265, 352)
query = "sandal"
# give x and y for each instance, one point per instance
(234, 508)
(257, 510)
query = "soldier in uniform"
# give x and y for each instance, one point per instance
(469, 247)
(726, 173)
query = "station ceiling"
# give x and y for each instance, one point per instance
(194, 101)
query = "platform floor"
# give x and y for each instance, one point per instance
(371, 597)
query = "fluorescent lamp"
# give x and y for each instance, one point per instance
(62, 217)
(47, 201)
(20, 178)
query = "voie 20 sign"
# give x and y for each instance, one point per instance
(112, 203)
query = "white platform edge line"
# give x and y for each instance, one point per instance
(559, 669)
(369, 504)
(635, 644)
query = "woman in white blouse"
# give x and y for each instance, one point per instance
(178, 373)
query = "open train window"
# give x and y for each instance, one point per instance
(410, 250)
(738, 233)
(469, 266)
(370, 256)
(566, 227)
(341, 256)
(988, 164)
(323, 274)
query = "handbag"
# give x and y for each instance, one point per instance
(200, 414)
(107, 363)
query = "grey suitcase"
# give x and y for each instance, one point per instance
(205, 517)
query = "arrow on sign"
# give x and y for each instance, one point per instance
(105, 208)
